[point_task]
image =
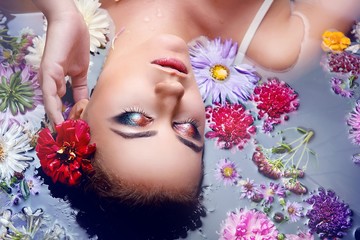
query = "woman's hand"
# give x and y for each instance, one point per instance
(66, 53)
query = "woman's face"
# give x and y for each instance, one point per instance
(146, 115)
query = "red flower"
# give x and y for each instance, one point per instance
(231, 124)
(66, 157)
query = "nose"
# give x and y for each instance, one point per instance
(169, 92)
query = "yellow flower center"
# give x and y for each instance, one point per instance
(67, 152)
(219, 72)
(291, 210)
(228, 171)
(2, 153)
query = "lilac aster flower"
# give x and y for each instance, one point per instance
(328, 216)
(274, 189)
(247, 224)
(216, 73)
(354, 124)
(294, 211)
(249, 189)
(226, 172)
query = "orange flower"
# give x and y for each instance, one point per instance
(335, 41)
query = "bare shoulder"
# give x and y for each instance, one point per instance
(277, 43)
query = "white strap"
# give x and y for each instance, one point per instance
(252, 30)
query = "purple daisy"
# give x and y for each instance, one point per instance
(294, 211)
(356, 158)
(249, 189)
(247, 224)
(354, 124)
(226, 172)
(269, 192)
(328, 216)
(216, 73)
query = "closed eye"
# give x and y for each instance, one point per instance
(133, 118)
(188, 129)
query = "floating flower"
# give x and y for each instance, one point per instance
(274, 99)
(231, 124)
(294, 211)
(354, 124)
(343, 63)
(36, 51)
(216, 73)
(339, 87)
(13, 147)
(295, 186)
(249, 189)
(34, 184)
(226, 171)
(96, 20)
(269, 192)
(247, 224)
(329, 217)
(335, 41)
(269, 168)
(66, 157)
(20, 95)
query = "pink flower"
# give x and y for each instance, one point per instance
(226, 171)
(300, 236)
(247, 224)
(231, 124)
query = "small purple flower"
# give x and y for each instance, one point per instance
(216, 73)
(339, 87)
(328, 216)
(226, 172)
(34, 184)
(294, 211)
(269, 192)
(248, 189)
(354, 124)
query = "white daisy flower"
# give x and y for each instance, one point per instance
(36, 52)
(13, 147)
(96, 20)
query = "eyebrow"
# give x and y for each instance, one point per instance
(145, 134)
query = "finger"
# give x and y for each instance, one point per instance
(52, 101)
(78, 109)
(53, 108)
(80, 88)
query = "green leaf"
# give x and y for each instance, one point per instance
(301, 130)
(24, 189)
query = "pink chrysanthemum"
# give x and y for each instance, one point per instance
(354, 124)
(231, 124)
(274, 99)
(247, 224)
(226, 172)
(294, 211)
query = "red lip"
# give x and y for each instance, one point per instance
(171, 63)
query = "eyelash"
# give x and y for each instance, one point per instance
(191, 121)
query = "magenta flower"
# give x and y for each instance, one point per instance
(343, 63)
(328, 216)
(294, 211)
(231, 124)
(226, 172)
(339, 87)
(247, 224)
(216, 73)
(274, 99)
